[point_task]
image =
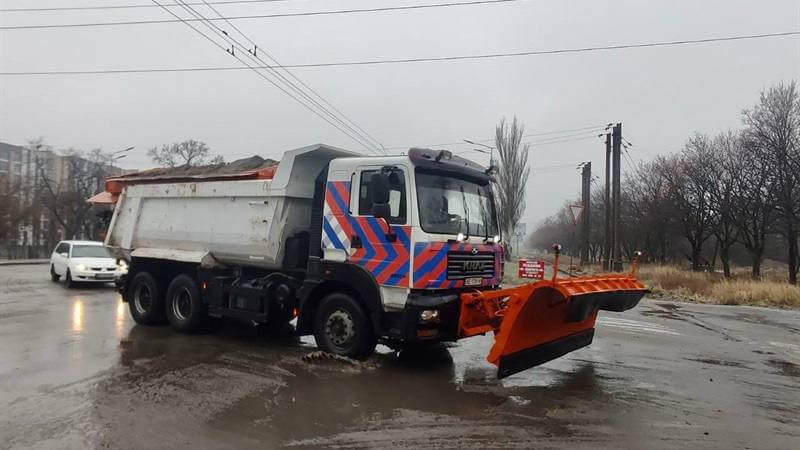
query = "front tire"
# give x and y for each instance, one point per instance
(185, 309)
(68, 279)
(54, 277)
(145, 302)
(342, 327)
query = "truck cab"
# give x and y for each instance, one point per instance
(417, 229)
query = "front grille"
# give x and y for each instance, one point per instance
(461, 265)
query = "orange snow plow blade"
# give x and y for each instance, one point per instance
(541, 321)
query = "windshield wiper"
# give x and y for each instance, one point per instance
(484, 213)
(466, 209)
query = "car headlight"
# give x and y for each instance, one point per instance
(122, 266)
(80, 267)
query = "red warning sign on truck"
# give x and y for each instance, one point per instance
(531, 269)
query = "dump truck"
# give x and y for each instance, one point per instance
(402, 250)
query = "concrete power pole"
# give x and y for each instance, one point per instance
(608, 242)
(586, 199)
(616, 151)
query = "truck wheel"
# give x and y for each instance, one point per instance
(53, 275)
(185, 309)
(145, 303)
(342, 327)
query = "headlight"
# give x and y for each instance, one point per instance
(429, 315)
(122, 266)
(460, 237)
(80, 267)
(496, 239)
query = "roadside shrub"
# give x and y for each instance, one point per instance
(706, 287)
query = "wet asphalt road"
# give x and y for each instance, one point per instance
(75, 372)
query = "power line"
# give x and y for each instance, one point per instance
(560, 141)
(261, 75)
(413, 60)
(168, 5)
(352, 133)
(347, 122)
(403, 147)
(263, 16)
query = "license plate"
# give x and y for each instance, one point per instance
(104, 276)
(473, 282)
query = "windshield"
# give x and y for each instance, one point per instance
(89, 251)
(450, 205)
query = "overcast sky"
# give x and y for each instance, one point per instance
(662, 95)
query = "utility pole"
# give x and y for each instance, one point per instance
(609, 239)
(586, 198)
(616, 153)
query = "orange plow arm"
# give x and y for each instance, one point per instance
(541, 321)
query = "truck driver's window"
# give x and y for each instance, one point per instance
(397, 196)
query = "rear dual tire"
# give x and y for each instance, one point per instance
(145, 301)
(186, 311)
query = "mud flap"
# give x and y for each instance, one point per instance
(536, 323)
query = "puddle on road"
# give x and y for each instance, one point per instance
(263, 389)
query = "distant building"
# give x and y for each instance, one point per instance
(22, 170)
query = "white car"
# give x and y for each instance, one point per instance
(84, 261)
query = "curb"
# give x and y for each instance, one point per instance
(23, 262)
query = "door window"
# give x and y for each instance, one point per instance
(397, 196)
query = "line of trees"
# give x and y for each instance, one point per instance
(736, 192)
(49, 198)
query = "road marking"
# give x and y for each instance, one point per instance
(636, 326)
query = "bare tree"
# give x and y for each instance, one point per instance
(772, 131)
(720, 178)
(186, 153)
(66, 199)
(688, 195)
(512, 176)
(648, 216)
(752, 201)
(11, 211)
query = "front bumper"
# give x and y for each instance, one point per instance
(91, 276)
(406, 325)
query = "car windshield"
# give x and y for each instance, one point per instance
(451, 205)
(89, 251)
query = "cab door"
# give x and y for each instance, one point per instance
(382, 246)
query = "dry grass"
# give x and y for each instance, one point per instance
(713, 288)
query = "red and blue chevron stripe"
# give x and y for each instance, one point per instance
(387, 261)
(430, 264)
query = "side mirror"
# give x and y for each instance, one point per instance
(64, 255)
(379, 189)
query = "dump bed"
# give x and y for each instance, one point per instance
(220, 220)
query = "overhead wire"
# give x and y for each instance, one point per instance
(353, 134)
(410, 60)
(462, 142)
(339, 116)
(131, 6)
(262, 16)
(217, 44)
